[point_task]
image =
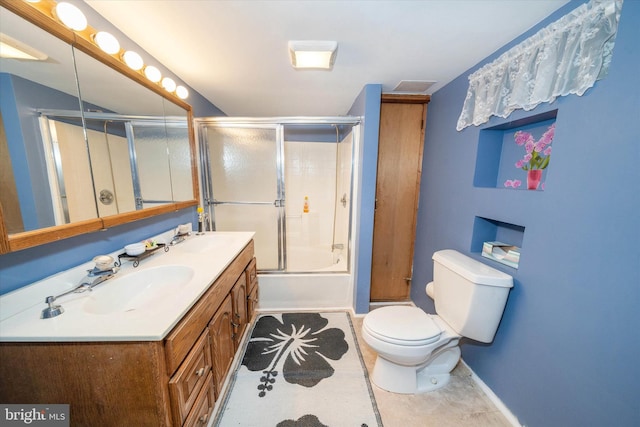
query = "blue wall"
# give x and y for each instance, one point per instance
(366, 105)
(566, 352)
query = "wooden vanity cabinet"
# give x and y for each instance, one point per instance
(169, 383)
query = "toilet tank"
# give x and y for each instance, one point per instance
(469, 295)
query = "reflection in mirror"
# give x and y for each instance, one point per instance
(43, 126)
(158, 145)
(68, 170)
(105, 91)
(28, 86)
(152, 163)
(180, 155)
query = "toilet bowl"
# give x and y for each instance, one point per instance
(406, 354)
(416, 351)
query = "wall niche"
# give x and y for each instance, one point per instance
(492, 230)
(517, 154)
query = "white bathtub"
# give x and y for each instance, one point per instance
(314, 259)
(317, 280)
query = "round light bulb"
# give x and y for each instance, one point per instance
(182, 92)
(168, 84)
(153, 73)
(71, 16)
(107, 42)
(133, 60)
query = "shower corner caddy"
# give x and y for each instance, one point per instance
(137, 258)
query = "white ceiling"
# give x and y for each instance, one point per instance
(234, 52)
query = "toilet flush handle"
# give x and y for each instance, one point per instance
(430, 290)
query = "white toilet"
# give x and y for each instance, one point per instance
(416, 350)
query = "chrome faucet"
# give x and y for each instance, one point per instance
(178, 237)
(100, 276)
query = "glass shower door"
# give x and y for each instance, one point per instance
(243, 186)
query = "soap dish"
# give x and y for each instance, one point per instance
(145, 253)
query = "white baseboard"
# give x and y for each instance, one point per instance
(494, 398)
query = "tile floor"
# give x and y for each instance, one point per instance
(461, 403)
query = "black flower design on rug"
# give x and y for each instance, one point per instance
(304, 421)
(299, 345)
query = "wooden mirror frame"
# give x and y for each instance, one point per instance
(37, 14)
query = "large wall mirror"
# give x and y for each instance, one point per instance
(85, 142)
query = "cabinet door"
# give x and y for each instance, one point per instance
(222, 348)
(239, 296)
(397, 190)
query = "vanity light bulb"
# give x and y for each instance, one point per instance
(107, 42)
(168, 84)
(133, 60)
(153, 73)
(71, 16)
(182, 92)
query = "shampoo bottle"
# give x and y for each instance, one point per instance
(305, 208)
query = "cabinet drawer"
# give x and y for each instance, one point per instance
(203, 406)
(190, 378)
(252, 275)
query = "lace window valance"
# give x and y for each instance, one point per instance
(565, 57)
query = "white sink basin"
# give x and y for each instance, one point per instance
(137, 290)
(199, 244)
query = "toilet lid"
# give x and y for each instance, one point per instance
(402, 323)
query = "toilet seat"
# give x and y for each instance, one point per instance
(402, 325)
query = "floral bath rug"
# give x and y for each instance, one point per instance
(300, 370)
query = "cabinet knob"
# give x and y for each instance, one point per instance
(200, 372)
(235, 325)
(203, 419)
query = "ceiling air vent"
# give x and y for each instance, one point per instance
(413, 86)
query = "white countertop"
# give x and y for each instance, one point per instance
(207, 256)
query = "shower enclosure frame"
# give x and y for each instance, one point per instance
(278, 124)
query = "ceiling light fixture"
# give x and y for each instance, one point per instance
(71, 16)
(11, 48)
(133, 60)
(107, 42)
(153, 73)
(313, 54)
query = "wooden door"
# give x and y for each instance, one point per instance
(401, 143)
